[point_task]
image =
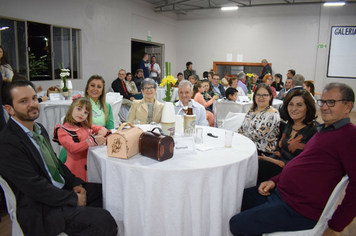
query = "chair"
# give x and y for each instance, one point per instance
(233, 121)
(222, 108)
(115, 100)
(53, 114)
(325, 216)
(11, 209)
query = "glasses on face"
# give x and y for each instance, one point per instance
(262, 95)
(269, 79)
(329, 103)
(148, 88)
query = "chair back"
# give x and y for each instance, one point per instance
(233, 121)
(11, 207)
(115, 101)
(328, 211)
(222, 108)
(53, 114)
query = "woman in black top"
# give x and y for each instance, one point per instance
(277, 83)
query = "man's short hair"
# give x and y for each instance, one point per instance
(216, 75)
(144, 55)
(122, 70)
(240, 75)
(230, 91)
(6, 93)
(188, 63)
(185, 83)
(346, 91)
(180, 73)
(139, 70)
(264, 61)
(292, 72)
(298, 80)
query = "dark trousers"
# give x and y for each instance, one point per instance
(267, 170)
(266, 215)
(90, 219)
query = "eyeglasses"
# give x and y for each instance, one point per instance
(269, 79)
(147, 88)
(329, 103)
(262, 95)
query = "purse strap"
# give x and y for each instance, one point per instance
(159, 130)
(123, 125)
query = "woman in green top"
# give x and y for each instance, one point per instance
(102, 113)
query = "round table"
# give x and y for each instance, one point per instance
(190, 194)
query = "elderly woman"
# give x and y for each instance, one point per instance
(95, 91)
(5, 68)
(234, 83)
(300, 111)
(148, 109)
(261, 123)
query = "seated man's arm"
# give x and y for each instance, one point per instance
(265, 188)
(330, 232)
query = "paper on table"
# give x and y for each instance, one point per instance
(202, 147)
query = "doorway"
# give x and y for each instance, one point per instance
(140, 47)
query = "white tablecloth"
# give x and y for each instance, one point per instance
(247, 105)
(161, 93)
(191, 194)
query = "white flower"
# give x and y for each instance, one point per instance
(64, 74)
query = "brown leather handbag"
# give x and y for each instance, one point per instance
(124, 143)
(156, 145)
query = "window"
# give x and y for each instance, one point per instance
(41, 51)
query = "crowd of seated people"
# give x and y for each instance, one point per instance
(276, 147)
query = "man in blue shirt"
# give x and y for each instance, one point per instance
(144, 66)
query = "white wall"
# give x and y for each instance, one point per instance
(107, 28)
(287, 36)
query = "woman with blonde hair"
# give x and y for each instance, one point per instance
(95, 92)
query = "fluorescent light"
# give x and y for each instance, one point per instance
(229, 8)
(334, 3)
(4, 28)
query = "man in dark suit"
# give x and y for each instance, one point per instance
(50, 199)
(2, 119)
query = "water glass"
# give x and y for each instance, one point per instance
(136, 122)
(228, 138)
(199, 135)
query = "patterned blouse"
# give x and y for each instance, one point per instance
(131, 87)
(291, 146)
(262, 128)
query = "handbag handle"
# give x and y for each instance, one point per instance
(159, 130)
(123, 125)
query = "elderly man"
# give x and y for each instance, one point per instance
(265, 70)
(119, 86)
(287, 86)
(216, 87)
(241, 76)
(185, 96)
(295, 199)
(50, 199)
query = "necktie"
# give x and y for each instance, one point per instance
(48, 155)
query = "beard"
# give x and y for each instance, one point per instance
(27, 116)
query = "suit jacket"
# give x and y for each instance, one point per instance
(118, 87)
(39, 202)
(139, 111)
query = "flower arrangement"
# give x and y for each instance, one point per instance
(64, 74)
(169, 81)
